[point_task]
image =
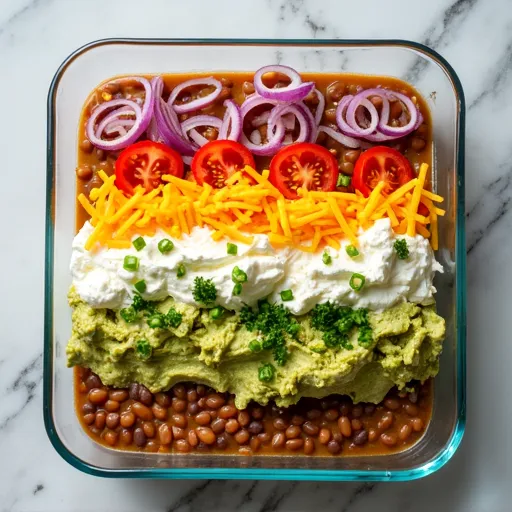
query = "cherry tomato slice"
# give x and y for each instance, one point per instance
(304, 165)
(381, 163)
(217, 160)
(144, 163)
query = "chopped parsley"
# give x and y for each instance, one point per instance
(155, 319)
(173, 318)
(204, 291)
(326, 258)
(402, 251)
(129, 315)
(266, 372)
(338, 322)
(144, 349)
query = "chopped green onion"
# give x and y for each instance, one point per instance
(326, 258)
(255, 346)
(266, 372)
(232, 249)
(286, 295)
(165, 245)
(343, 180)
(180, 270)
(352, 251)
(139, 243)
(174, 318)
(237, 289)
(129, 315)
(357, 282)
(131, 263)
(140, 286)
(293, 329)
(156, 321)
(216, 312)
(402, 251)
(144, 349)
(238, 275)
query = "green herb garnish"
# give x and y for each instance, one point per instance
(131, 263)
(237, 289)
(232, 249)
(255, 346)
(204, 291)
(139, 243)
(140, 286)
(357, 282)
(180, 271)
(216, 313)
(173, 318)
(157, 321)
(129, 315)
(286, 295)
(165, 245)
(326, 258)
(144, 349)
(343, 180)
(352, 251)
(238, 275)
(402, 251)
(266, 372)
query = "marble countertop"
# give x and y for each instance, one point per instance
(476, 38)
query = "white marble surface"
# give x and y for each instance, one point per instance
(474, 35)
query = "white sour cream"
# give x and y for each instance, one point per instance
(101, 281)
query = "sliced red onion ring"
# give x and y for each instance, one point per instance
(289, 121)
(187, 159)
(349, 142)
(359, 100)
(199, 102)
(398, 131)
(142, 119)
(231, 128)
(119, 126)
(296, 90)
(278, 114)
(320, 107)
(126, 110)
(311, 120)
(152, 132)
(192, 123)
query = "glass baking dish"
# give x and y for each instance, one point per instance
(428, 72)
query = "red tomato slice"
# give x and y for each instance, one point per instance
(304, 165)
(381, 163)
(144, 163)
(217, 160)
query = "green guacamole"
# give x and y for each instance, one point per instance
(407, 343)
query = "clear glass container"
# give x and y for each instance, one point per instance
(428, 72)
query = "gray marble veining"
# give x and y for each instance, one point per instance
(476, 38)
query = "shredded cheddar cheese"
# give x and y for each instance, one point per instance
(249, 204)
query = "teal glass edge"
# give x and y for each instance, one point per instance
(247, 473)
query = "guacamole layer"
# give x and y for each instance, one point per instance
(406, 345)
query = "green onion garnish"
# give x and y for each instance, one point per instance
(144, 349)
(216, 312)
(286, 295)
(156, 321)
(237, 289)
(139, 243)
(326, 258)
(266, 372)
(357, 282)
(232, 249)
(180, 270)
(352, 251)
(238, 275)
(140, 286)
(343, 180)
(131, 263)
(165, 245)
(402, 251)
(255, 346)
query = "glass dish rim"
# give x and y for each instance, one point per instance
(431, 466)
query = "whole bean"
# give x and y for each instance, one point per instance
(331, 414)
(352, 155)
(392, 404)
(417, 424)
(372, 435)
(330, 115)
(324, 436)
(335, 91)
(139, 437)
(242, 436)
(309, 446)
(294, 444)
(357, 411)
(361, 437)
(215, 401)
(345, 426)
(112, 420)
(395, 110)
(336, 436)
(386, 421)
(101, 418)
(314, 414)
(218, 425)
(146, 397)
(257, 413)
(202, 402)
(404, 432)
(232, 426)
(292, 432)
(333, 447)
(201, 390)
(89, 418)
(388, 439)
(127, 419)
(86, 146)
(265, 437)
(192, 395)
(369, 409)
(149, 428)
(411, 409)
(203, 418)
(133, 391)
(345, 409)
(346, 168)
(164, 434)
(255, 444)
(93, 381)
(152, 446)
(310, 428)
(193, 408)
(280, 424)
(98, 396)
(163, 399)
(192, 438)
(179, 391)
(111, 405)
(222, 442)
(126, 436)
(178, 433)
(110, 437)
(278, 440)
(88, 408)
(244, 418)
(227, 411)
(119, 395)
(178, 404)
(248, 88)
(413, 397)
(255, 427)
(356, 424)
(377, 101)
(159, 412)
(418, 144)
(180, 420)
(182, 446)
(141, 411)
